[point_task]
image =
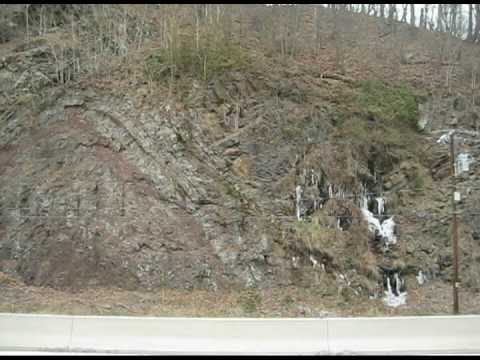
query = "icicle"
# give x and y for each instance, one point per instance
(390, 298)
(397, 283)
(365, 203)
(298, 193)
(380, 205)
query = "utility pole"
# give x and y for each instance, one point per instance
(455, 198)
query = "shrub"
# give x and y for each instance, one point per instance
(214, 58)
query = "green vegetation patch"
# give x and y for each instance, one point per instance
(212, 58)
(393, 104)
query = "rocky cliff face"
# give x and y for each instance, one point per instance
(255, 180)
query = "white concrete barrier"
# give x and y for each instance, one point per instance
(397, 334)
(143, 335)
(196, 335)
(21, 331)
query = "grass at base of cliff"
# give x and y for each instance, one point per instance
(434, 298)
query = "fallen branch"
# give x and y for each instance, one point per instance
(337, 77)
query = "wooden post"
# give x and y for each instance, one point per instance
(455, 281)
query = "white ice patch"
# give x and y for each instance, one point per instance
(373, 222)
(298, 194)
(390, 298)
(386, 228)
(421, 278)
(445, 138)
(295, 262)
(381, 205)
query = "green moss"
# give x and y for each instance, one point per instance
(392, 104)
(385, 118)
(418, 181)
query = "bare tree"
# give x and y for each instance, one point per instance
(317, 30)
(404, 13)
(425, 19)
(27, 6)
(470, 22)
(453, 18)
(476, 33)
(412, 14)
(337, 35)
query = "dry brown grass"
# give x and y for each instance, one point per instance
(434, 298)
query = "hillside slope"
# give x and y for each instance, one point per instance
(270, 173)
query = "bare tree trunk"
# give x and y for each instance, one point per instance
(474, 87)
(295, 31)
(422, 16)
(371, 10)
(273, 29)
(412, 14)
(317, 31)
(453, 19)
(197, 27)
(339, 56)
(391, 8)
(425, 19)
(404, 15)
(443, 18)
(470, 22)
(476, 34)
(26, 20)
(219, 11)
(228, 21)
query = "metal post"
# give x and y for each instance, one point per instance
(454, 226)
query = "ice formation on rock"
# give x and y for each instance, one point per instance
(386, 228)
(395, 297)
(421, 278)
